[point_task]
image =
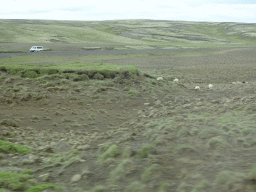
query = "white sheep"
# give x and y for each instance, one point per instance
(197, 88)
(210, 86)
(176, 80)
(159, 79)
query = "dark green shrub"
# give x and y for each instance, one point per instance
(84, 77)
(30, 74)
(13, 71)
(52, 71)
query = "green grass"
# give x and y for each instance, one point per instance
(22, 181)
(150, 172)
(252, 174)
(8, 147)
(123, 169)
(144, 151)
(225, 177)
(159, 34)
(14, 181)
(203, 185)
(74, 70)
(111, 152)
(135, 186)
(41, 187)
(28, 33)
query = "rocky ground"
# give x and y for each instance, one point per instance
(138, 134)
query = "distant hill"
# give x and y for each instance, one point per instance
(151, 33)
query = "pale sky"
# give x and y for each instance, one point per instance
(186, 10)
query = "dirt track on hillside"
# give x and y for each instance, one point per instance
(74, 51)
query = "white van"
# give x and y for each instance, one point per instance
(36, 48)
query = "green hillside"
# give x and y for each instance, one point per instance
(133, 33)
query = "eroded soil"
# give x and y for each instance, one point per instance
(198, 140)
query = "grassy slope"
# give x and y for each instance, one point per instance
(142, 33)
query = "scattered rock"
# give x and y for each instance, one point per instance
(187, 106)
(62, 147)
(151, 115)
(199, 104)
(215, 101)
(83, 147)
(76, 178)
(140, 112)
(53, 144)
(26, 97)
(48, 190)
(158, 102)
(47, 149)
(9, 80)
(146, 104)
(45, 177)
(160, 79)
(180, 100)
(153, 152)
(235, 83)
(51, 89)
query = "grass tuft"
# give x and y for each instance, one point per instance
(144, 151)
(13, 181)
(112, 151)
(150, 172)
(41, 187)
(135, 186)
(122, 170)
(8, 147)
(9, 122)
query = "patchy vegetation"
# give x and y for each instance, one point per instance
(9, 147)
(74, 71)
(72, 126)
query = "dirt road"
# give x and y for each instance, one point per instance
(104, 52)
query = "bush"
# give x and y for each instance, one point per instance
(84, 77)
(13, 71)
(98, 76)
(30, 74)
